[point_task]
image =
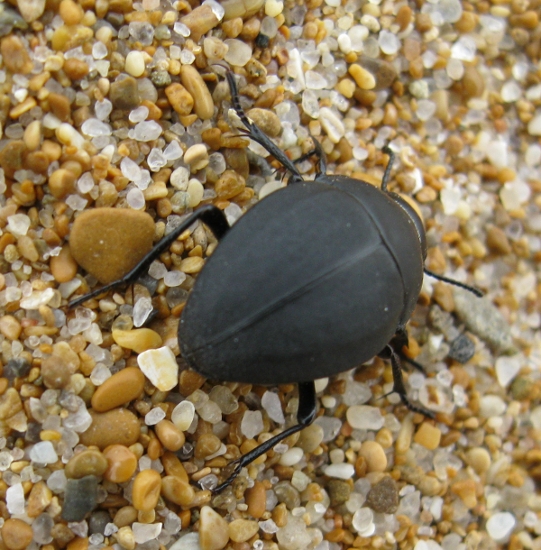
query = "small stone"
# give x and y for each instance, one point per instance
(119, 389)
(462, 349)
(124, 93)
(255, 498)
(31, 9)
(160, 367)
(479, 459)
(497, 241)
(179, 98)
(10, 328)
(121, 463)
(70, 12)
(383, 496)
(169, 435)
(500, 526)
(206, 445)
(229, 185)
(293, 536)
(15, 55)
(196, 156)
(200, 20)
(146, 490)
(241, 530)
(138, 340)
(340, 471)
(266, 120)
(213, 530)
(198, 89)
(56, 372)
(373, 453)
(310, 438)
(135, 63)
(177, 490)
(339, 491)
(364, 417)
(363, 78)
(183, 415)
(507, 367)
(60, 106)
(118, 426)
(238, 53)
(63, 267)
(40, 497)
(108, 242)
(80, 498)
(428, 436)
(16, 534)
(382, 71)
(466, 490)
(85, 463)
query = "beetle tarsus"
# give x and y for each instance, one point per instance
(209, 214)
(387, 174)
(305, 416)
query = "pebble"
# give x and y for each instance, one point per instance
(383, 496)
(135, 64)
(80, 498)
(183, 415)
(466, 490)
(16, 534)
(124, 93)
(364, 417)
(238, 52)
(117, 426)
(196, 156)
(160, 367)
(39, 499)
(242, 530)
(213, 530)
(255, 498)
(500, 525)
(31, 9)
(15, 55)
(339, 491)
(177, 490)
(229, 185)
(70, 12)
(483, 319)
(121, 463)
(293, 536)
(373, 453)
(363, 78)
(169, 435)
(428, 436)
(108, 242)
(462, 349)
(340, 471)
(199, 21)
(179, 98)
(119, 389)
(89, 462)
(138, 340)
(63, 267)
(10, 327)
(56, 372)
(206, 445)
(146, 490)
(266, 120)
(193, 82)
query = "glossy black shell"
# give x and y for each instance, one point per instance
(314, 280)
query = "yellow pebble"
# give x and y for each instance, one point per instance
(146, 490)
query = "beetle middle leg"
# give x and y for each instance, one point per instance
(305, 416)
(398, 381)
(209, 214)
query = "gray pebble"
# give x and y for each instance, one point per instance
(81, 497)
(462, 349)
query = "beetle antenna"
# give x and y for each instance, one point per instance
(387, 174)
(255, 133)
(472, 289)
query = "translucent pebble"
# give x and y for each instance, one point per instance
(315, 80)
(232, 212)
(142, 32)
(173, 151)
(156, 160)
(85, 183)
(99, 50)
(144, 532)
(174, 278)
(293, 536)
(300, 480)
(138, 114)
(273, 407)
(511, 91)
(532, 157)
(93, 127)
(187, 542)
(292, 456)
(364, 417)
(513, 194)
(363, 522)
(75, 202)
(100, 373)
(43, 453)
(464, 48)
(15, 499)
(356, 393)
(18, 224)
(148, 130)
(450, 199)
(141, 311)
(491, 405)
(154, 416)
(340, 471)
(103, 109)
(507, 367)
(210, 412)
(388, 42)
(183, 415)
(224, 398)
(268, 526)
(251, 424)
(179, 178)
(239, 52)
(534, 126)
(497, 153)
(500, 525)
(135, 199)
(130, 169)
(332, 124)
(331, 426)
(344, 43)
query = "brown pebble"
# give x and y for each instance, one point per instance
(55, 371)
(60, 106)
(497, 241)
(63, 267)
(198, 89)
(383, 496)
(206, 445)
(177, 490)
(213, 530)
(266, 120)
(117, 426)
(108, 242)
(229, 185)
(189, 381)
(169, 435)
(85, 463)
(122, 463)
(473, 84)
(466, 491)
(10, 327)
(70, 12)
(146, 490)
(61, 183)
(255, 498)
(15, 55)
(75, 69)
(179, 98)
(124, 93)
(16, 534)
(125, 516)
(200, 20)
(39, 498)
(12, 156)
(339, 491)
(383, 72)
(241, 530)
(119, 389)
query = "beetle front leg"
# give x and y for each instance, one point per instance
(209, 214)
(305, 416)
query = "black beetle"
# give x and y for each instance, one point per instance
(315, 279)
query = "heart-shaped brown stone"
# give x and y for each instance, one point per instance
(108, 242)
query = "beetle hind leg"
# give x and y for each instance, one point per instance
(305, 416)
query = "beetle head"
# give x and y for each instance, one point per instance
(414, 213)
